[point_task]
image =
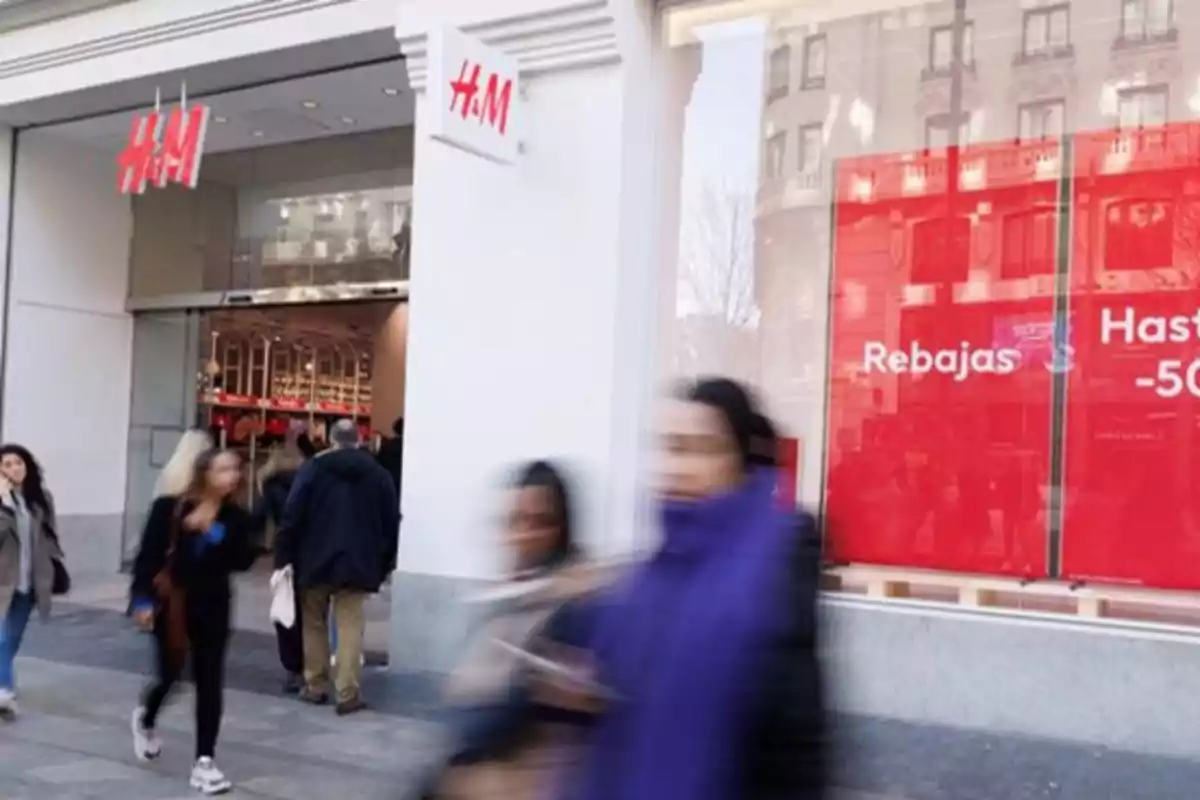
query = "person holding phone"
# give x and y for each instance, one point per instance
(29, 549)
(191, 544)
(503, 723)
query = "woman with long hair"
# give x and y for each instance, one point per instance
(29, 548)
(275, 483)
(502, 729)
(192, 543)
(708, 648)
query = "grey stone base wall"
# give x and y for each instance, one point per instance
(1126, 687)
(92, 542)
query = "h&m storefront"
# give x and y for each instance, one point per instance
(949, 242)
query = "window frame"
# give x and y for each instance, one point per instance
(1157, 89)
(777, 91)
(968, 61)
(1041, 105)
(1145, 35)
(770, 172)
(1046, 16)
(808, 81)
(802, 148)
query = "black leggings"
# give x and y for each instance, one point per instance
(207, 640)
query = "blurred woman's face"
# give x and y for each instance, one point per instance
(700, 456)
(14, 468)
(533, 525)
(224, 474)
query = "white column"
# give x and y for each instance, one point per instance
(7, 138)
(533, 301)
(67, 367)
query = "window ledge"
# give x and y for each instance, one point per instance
(1064, 53)
(813, 85)
(777, 93)
(945, 73)
(1126, 42)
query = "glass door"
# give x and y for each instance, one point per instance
(166, 350)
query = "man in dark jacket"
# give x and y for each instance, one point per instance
(339, 536)
(391, 453)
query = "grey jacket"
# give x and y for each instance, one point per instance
(45, 549)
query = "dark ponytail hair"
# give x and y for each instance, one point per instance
(33, 488)
(753, 433)
(548, 477)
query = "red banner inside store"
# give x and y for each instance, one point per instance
(941, 359)
(1131, 451)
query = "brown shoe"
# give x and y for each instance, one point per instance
(351, 706)
(313, 697)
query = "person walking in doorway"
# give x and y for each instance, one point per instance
(339, 538)
(181, 591)
(30, 556)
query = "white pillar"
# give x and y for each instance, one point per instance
(532, 312)
(7, 139)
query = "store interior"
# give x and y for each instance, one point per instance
(265, 371)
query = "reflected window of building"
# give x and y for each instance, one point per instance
(1146, 19)
(941, 47)
(1139, 234)
(815, 54)
(778, 78)
(812, 143)
(1047, 31)
(1029, 244)
(775, 156)
(1045, 119)
(1142, 107)
(941, 250)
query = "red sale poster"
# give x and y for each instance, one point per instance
(1131, 511)
(941, 359)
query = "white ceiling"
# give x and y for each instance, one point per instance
(359, 99)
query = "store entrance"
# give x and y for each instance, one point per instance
(247, 375)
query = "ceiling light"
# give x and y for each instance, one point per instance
(391, 91)
(257, 134)
(348, 120)
(221, 120)
(310, 104)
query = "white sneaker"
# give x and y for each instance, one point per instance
(209, 780)
(146, 744)
(8, 704)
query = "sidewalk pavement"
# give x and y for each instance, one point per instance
(80, 676)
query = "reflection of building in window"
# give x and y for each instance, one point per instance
(1029, 244)
(1143, 107)
(1139, 234)
(815, 53)
(1045, 119)
(941, 250)
(778, 72)
(1047, 30)
(775, 155)
(938, 130)
(1147, 19)
(941, 47)
(812, 143)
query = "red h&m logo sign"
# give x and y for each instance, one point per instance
(163, 148)
(492, 108)
(474, 99)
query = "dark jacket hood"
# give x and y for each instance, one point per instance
(351, 464)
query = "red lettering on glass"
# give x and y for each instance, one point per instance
(493, 109)
(155, 157)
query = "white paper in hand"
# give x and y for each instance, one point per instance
(283, 598)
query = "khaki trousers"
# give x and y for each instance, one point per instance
(350, 622)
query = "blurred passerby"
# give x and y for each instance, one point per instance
(339, 537)
(191, 544)
(709, 647)
(29, 550)
(503, 734)
(276, 479)
(391, 453)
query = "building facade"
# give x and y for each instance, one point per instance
(917, 227)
